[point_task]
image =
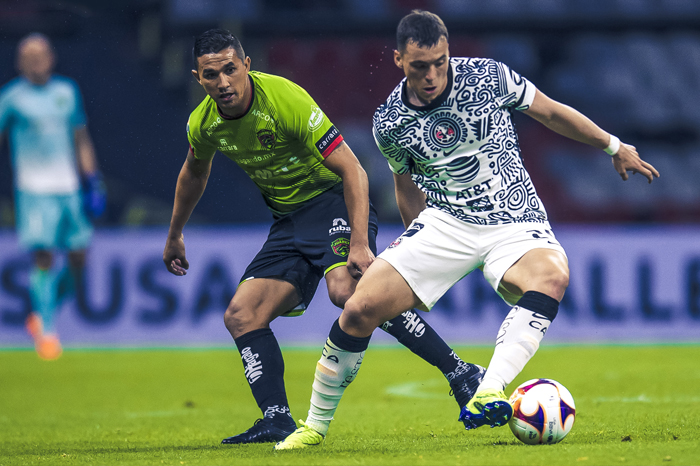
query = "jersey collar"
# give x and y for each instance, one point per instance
(439, 100)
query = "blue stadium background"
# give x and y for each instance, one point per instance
(633, 66)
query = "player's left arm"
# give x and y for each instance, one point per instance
(571, 123)
(95, 193)
(85, 151)
(342, 162)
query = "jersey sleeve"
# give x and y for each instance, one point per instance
(306, 122)
(201, 148)
(517, 91)
(397, 157)
(77, 117)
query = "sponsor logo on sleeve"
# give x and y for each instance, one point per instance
(316, 118)
(329, 141)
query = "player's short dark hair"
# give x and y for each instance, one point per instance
(214, 41)
(422, 27)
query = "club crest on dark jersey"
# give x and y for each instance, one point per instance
(444, 131)
(267, 138)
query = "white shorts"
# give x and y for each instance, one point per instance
(438, 250)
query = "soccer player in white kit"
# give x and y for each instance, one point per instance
(468, 203)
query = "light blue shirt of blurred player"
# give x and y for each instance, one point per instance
(40, 121)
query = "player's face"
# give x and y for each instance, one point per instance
(425, 69)
(224, 77)
(35, 61)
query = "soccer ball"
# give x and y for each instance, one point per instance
(543, 412)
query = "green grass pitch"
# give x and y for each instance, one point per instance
(636, 405)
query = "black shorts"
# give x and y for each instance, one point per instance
(304, 245)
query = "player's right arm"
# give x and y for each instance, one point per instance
(190, 186)
(409, 198)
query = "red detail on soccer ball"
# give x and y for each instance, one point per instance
(543, 412)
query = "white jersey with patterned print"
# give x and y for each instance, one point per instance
(462, 149)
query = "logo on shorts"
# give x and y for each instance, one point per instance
(339, 226)
(341, 247)
(394, 243)
(414, 228)
(267, 138)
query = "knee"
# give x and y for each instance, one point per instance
(238, 319)
(558, 282)
(357, 316)
(339, 297)
(43, 259)
(561, 278)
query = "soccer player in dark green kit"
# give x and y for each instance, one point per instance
(324, 224)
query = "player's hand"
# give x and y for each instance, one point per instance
(174, 256)
(94, 195)
(359, 259)
(627, 160)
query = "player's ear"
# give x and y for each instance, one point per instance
(246, 63)
(397, 59)
(195, 73)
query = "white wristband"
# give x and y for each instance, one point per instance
(614, 146)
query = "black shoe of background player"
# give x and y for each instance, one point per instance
(465, 382)
(263, 431)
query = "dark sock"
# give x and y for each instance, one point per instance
(264, 370)
(540, 303)
(414, 333)
(347, 342)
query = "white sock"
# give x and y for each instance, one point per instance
(517, 341)
(334, 372)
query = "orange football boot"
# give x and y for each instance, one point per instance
(49, 347)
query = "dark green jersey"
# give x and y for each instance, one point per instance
(280, 142)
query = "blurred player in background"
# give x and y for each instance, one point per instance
(51, 150)
(324, 224)
(468, 203)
